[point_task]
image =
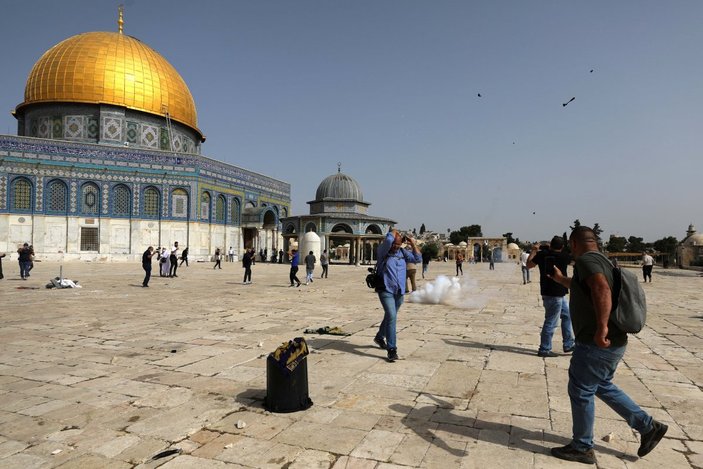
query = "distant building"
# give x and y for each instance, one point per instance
(689, 253)
(339, 217)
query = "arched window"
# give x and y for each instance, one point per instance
(220, 209)
(57, 197)
(284, 212)
(205, 206)
(152, 202)
(90, 199)
(235, 212)
(121, 201)
(179, 203)
(21, 194)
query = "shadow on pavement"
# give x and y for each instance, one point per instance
(501, 348)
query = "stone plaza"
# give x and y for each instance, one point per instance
(112, 374)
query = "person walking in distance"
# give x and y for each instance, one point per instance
(392, 259)
(174, 260)
(325, 263)
(459, 261)
(184, 257)
(294, 261)
(426, 258)
(310, 261)
(523, 266)
(230, 254)
(553, 295)
(218, 259)
(146, 265)
(25, 254)
(600, 346)
(410, 272)
(246, 263)
(647, 266)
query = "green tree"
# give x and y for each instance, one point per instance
(422, 229)
(667, 246)
(597, 230)
(464, 233)
(635, 244)
(577, 223)
(616, 244)
(432, 248)
(509, 237)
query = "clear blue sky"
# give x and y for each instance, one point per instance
(389, 89)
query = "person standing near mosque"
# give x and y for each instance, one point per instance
(523, 266)
(230, 254)
(310, 261)
(165, 263)
(184, 257)
(459, 262)
(391, 266)
(246, 263)
(25, 260)
(146, 265)
(2, 254)
(173, 258)
(325, 263)
(218, 259)
(294, 261)
(647, 266)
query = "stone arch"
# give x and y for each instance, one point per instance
(268, 218)
(374, 229)
(289, 228)
(342, 228)
(249, 204)
(21, 195)
(310, 226)
(284, 212)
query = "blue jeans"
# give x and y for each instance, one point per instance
(25, 267)
(391, 304)
(525, 274)
(554, 308)
(590, 373)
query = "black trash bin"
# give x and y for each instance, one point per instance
(286, 388)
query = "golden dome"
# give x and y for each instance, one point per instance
(111, 68)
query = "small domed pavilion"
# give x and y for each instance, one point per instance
(339, 216)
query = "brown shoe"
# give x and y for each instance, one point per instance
(569, 453)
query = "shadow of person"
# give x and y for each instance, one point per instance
(481, 345)
(532, 440)
(341, 345)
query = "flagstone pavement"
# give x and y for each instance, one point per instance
(112, 374)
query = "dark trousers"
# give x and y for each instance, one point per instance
(647, 272)
(147, 275)
(183, 259)
(294, 276)
(324, 270)
(247, 274)
(218, 263)
(459, 268)
(174, 266)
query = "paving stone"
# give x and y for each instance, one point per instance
(469, 391)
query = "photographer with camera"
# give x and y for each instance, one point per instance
(553, 294)
(391, 266)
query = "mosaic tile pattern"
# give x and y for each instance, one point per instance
(74, 127)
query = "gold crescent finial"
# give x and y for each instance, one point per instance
(120, 20)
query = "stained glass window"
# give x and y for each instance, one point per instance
(220, 209)
(179, 203)
(90, 198)
(121, 201)
(235, 209)
(151, 202)
(57, 197)
(205, 206)
(21, 194)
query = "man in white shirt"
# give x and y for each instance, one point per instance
(523, 265)
(230, 254)
(647, 266)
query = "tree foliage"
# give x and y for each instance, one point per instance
(431, 247)
(666, 245)
(635, 244)
(616, 244)
(464, 233)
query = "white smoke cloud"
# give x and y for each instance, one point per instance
(451, 291)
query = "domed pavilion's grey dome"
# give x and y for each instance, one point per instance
(339, 186)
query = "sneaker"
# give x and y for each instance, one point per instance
(652, 438)
(547, 354)
(569, 349)
(392, 355)
(569, 453)
(380, 342)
